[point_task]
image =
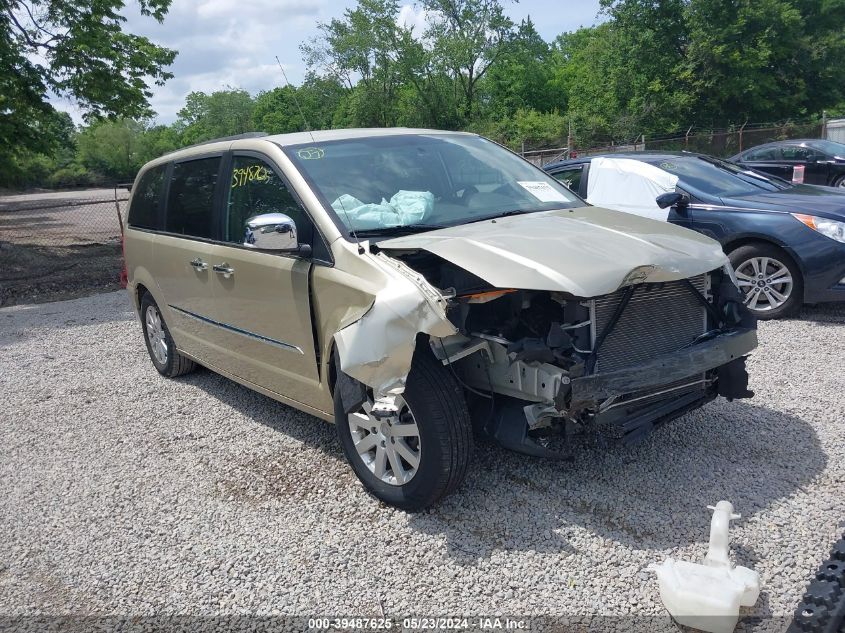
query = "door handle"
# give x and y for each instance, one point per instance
(198, 264)
(223, 269)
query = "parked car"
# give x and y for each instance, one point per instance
(786, 242)
(411, 285)
(819, 162)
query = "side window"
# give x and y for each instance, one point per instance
(190, 201)
(146, 200)
(570, 177)
(764, 154)
(798, 153)
(256, 189)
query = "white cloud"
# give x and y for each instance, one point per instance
(413, 17)
(234, 42)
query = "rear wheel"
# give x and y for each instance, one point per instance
(418, 452)
(769, 280)
(840, 182)
(166, 358)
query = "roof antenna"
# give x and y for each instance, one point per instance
(295, 100)
(361, 250)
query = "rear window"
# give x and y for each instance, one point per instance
(146, 200)
(190, 201)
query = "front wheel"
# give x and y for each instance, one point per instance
(769, 280)
(419, 452)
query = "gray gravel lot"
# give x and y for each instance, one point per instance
(125, 493)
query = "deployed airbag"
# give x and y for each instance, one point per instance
(405, 207)
(628, 185)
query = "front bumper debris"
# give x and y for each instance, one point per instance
(667, 368)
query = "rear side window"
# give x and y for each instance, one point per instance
(146, 200)
(763, 154)
(571, 178)
(190, 201)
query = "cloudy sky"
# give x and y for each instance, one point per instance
(234, 42)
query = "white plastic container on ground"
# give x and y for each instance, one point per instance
(708, 596)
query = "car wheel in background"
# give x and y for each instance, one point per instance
(418, 454)
(840, 182)
(166, 358)
(769, 280)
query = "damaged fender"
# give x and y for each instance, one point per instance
(377, 349)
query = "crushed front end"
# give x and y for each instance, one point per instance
(539, 366)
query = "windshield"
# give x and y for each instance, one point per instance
(828, 147)
(403, 183)
(715, 177)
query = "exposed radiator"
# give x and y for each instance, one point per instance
(659, 318)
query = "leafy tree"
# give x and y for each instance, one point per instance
(221, 113)
(77, 50)
(112, 148)
(522, 75)
(466, 38)
(362, 44)
(764, 59)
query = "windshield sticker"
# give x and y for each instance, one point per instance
(311, 153)
(668, 166)
(253, 173)
(542, 190)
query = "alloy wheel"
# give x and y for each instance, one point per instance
(155, 334)
(766, 283)
(389, 446)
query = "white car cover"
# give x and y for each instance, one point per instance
(628, 185)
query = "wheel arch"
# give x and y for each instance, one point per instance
(747, 240)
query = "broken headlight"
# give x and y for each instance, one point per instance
(829, 228)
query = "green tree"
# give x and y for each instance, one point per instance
(764, 60)
(112, 148)
(466, 37)
(363, 45)
(522, 76)
(219, 114)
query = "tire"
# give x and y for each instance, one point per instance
(779, 266)
(436, 405)
(839, 182)
(169, 362)
(822, 609)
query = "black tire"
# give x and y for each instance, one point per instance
(795, 298)
(445, 435)
(822, 609)
(175, 363)
(839, 182)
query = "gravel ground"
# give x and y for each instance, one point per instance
(123, 493)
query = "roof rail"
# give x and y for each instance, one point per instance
(227, 138)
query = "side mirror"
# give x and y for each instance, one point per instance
(672, 199)
(271, 232)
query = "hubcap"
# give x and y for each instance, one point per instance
(388, 446)
(155, 335)
(766, 282)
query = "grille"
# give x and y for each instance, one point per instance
(659, 318)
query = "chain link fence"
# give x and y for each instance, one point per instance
(722, 143)
(60, 245)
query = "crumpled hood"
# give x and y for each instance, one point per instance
(586, 252)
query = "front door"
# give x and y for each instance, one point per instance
(261, 299)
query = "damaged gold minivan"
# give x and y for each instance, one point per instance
(419, 288)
